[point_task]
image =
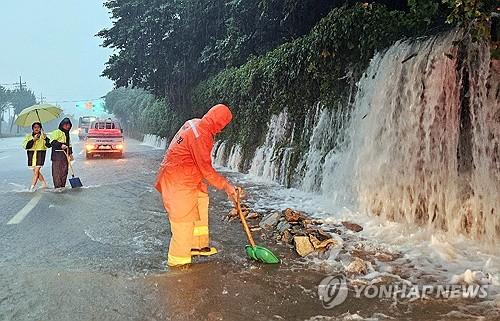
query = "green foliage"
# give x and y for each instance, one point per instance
(157, 118)
(17, 99)
(21, 98)
(4, 103)
(169, 46)
(321, 66)
(4, 99)
(424, 12)
(473, 15)
(141, 113)
(259, 55)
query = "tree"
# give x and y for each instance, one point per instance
(169, 46)
(20, 99)
(4, 104)
(140, 112)
(474, 16)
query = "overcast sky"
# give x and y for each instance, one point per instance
(51, 44)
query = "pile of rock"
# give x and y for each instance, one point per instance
(304, 233)
(308, 236)
(250, 216)
(298, 230)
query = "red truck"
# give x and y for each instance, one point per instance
(105, 137)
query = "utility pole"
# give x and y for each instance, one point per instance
(19, 84)
(15, 86)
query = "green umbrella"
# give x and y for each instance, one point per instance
(38, 113)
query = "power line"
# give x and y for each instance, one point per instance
(22, 84)
(76, 101)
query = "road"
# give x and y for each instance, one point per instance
(98, 253)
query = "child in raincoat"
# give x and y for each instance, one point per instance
(36, 145)
(61, 144)
(186, 167)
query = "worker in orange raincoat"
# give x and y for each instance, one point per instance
(186, 167)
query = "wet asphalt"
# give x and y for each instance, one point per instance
(98, 253)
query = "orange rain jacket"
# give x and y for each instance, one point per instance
(188, 162)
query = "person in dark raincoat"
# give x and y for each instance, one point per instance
(36, 145)
(61, 143)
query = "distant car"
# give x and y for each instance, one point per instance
(83, 126)
(105, 137)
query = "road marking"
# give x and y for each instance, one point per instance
(4, 157)
(19, 217)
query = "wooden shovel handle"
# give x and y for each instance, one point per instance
(69, 162)
(243, 219)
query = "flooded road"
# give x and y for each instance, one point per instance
(99, 253)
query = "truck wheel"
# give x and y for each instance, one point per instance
(88, 155)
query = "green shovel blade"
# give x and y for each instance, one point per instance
(259, 253)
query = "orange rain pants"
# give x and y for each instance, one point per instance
(187, 235)
(186, 166)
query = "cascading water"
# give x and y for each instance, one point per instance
(272, 159)
(235, 158)
(219, 155)
(424, 137)
(232, 161)
(419, 145)
(326, 135)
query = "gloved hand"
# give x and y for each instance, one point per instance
(231, 192)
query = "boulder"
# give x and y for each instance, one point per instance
(283, 226)
(384, 257)
(252, 216)
(321, 245)
(352, 226)
(357, 266)
(308, 222)
(319, 233)
(293, 216)
(303, 245)
(297, 230)
(232, 213)
(286, 237)
(270, 220)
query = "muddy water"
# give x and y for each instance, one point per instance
(99, 254)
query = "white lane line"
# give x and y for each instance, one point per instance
(19, 217)
(4, 157)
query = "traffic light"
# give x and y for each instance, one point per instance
(96, 106)
(89, 105)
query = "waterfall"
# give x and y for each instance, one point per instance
(235, 158)
(154, 141)
(325, 136)
(420, 143)
(219, 154)
(423, 142)
(272, 159)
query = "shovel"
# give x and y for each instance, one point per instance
(75, 182)
(255, 252)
